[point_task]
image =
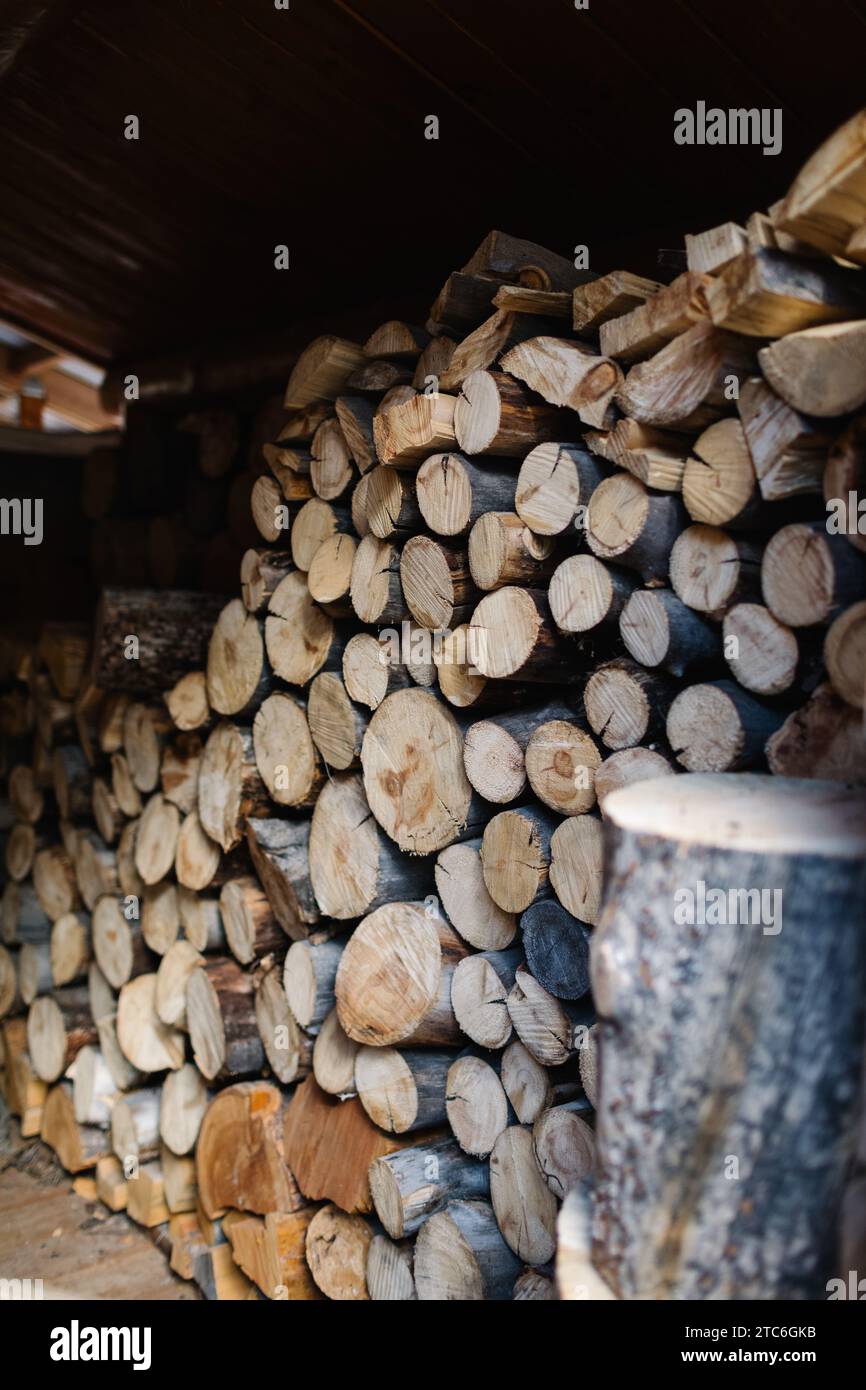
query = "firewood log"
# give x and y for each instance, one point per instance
(544, 1024)
(711, 570)
(683, 386)
(627, 766)
(712, 250)
(822, 739)
(96, 867)
(34, 971)
(289, 1050)
(172, 976)
(609, 297)
(557, 949)
(201, 920)
(329, 577)
(403, 1090)
(353, 868)
(719, 483)
(315, 523)
(156, 841)
(408, 1187)
(503, 550)
(251, 928)
(479, 990)
(336, 1248)
(407, 433)
(514, 639)
(172, 628)
(672, 310)
(568, 374)
(477, 1107)
(279, 851)
(355, 415)
(123, 788)
(58, 1026)
(464, 301)
(735, 832)
(334, 1059)
(71, 777)
(845, 655)
(70, 948)
(135, 1126)
(321, 371)
(103, 1007)
(391, 503)
(460, 1254)
(27, 800)
(337, 726)
(768, 293)
(511, 259)
(145, 728)
(423, 804)
(524, 1205)
(554, 481)
(824, 204)
(10, 998)
(766, 656)
(393, 982)
(820, 370)
(808, 576)
(453, 492)
(436, 583)
(230, 787)
(658, 629)
(238, 674)
(530, 1286)
(79, 1147)
(586, 592)
(221, 1016)
(561, 759)
(717, 727)
(106, 809)
(94, 1089)
(331, 467)
(495, 414)
(368, 671)
(467, 903)
(197, 856)
(378, 376)
(55, 883)
(329, 1146)
(23, 917)
(788, 451)
(178, 774)
(627, 523)
(182, 1105)
(271, 1252)
(148, 1043)
(309, 972)
(284, 751)
(656, 457)
(262, 570)
(111, 1184)
(626, 704)
(515, 856)
(20, 851)
(240, 1155)
(375, 590)
(389, 1271)
(564, 1146)
(299, 636)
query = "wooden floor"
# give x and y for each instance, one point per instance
(77, 1248)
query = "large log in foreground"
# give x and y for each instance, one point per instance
(146, 639)
(701, 1109)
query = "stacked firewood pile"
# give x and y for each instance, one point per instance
(302, 883)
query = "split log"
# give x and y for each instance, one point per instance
(524, 1206)
(683, 386)
(586, 592)
(334, 1059)
(20, 851)
(79, 1147)
(712, 250)
(658, 629)
(514, 639)
(403, 1090)
(819, 371)
(58, 1026)
(460, 1254)
(509, 258)
(808, 576)
(172, 628)
(479, 991)
(710, 570)
(407, 433)
(825, 203)
(626, 704)
(288, 1050)
(279, 851)
(788, 451)
(355, 415)
(576, 866)
(271, 1252)
(564, 1147)
(557, 950)
(321, 371)
(768, 293)
(331, 467)
(822, 739)
(179, 772)
(103, 1007)
(764, 653)
(106, 811)
(238, 674)
(566, 373)
(453, 492)
(481, 348)
(10, 998)
(609, 297)
(148, 1043)
(731, 831)
(515, 856)
(230, 788)
(497, 415)
(635, 527)
(589, 1064)
(411, 1186)
(111, 1184)
(719, 484)
(467, 903)
(135, 1127)
(476, 1104)
(221, 1015)
(393, 982)
(337, 727)
(464, 301)
(299, 636)
(421, 803)
(156, 840)
(561, 761)
(379, 375)
(23, 916)
(627, 766)
(545, 1025)
(330, 1145)
(672, 310)
(521, 299)
(530, 1286)
(656, 457)
(336, 1250)
(172, 976)
(182, 1105)
(309, 972)
(241, 1163)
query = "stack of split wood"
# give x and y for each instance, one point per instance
(575, 533)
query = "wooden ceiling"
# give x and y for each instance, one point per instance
(261, 126)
